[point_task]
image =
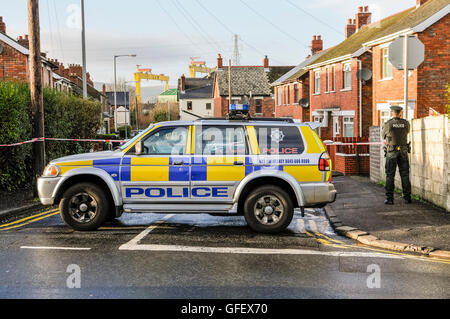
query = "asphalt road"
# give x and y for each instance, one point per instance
(203, 256)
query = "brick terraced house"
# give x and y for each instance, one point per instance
(14, 59)
(293, 86)
(14, 66)
(341, 102)
(430, 22)
(348, 106)
(246, 81)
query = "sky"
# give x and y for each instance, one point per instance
(164, 34)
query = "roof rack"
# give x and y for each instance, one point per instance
(262, 119)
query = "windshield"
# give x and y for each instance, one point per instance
(124, 146)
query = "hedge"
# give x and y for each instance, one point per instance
(66, 116)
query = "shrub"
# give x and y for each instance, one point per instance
(15, 125)
(66, 116)
(160, 112)
(121, 131)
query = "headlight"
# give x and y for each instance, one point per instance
(51, 171)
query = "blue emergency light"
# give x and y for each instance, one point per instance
(239, 107)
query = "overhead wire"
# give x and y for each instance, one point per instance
(313, 16)
(231, 31)
(271, 23)
(193, 23)
(58, 30)
(178, 26)
(50, 24)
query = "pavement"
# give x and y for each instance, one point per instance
(17, 203)
(201, 256)
(359, 213)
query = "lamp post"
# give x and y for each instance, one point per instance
(115, 84)
(129, 112)
(83, 49)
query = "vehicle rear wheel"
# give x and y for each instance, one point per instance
(84, 206)
(268, 209)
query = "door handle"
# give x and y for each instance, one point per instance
(238, 163)
(178, 163)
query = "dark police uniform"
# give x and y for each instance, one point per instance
(395, 132)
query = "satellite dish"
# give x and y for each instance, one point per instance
(364, 75)
(1, 48)
(304, 103)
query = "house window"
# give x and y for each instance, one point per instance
(386, 65)
(279, 92)
(384, 117)
(208, 106)
(336, 126)
(189, 105)
(295, 93)
(317, 82)
(318, 118)
(327, 80)
(347, 74)
(348, 126)
(258, 106)
(288, 96)
(332, 79)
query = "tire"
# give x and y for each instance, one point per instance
(84, 206)
(276, 218)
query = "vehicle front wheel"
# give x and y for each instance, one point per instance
(268, 209)
(84, 206)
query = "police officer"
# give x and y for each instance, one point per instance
(395, 132)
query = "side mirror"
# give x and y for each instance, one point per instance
(139, 146)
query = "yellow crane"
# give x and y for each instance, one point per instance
(198, 66)
(146, 74)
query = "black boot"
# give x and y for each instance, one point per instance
(407, 200)
(389, 201)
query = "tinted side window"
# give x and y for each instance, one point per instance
(167, 141)
(220, 140)
(283, 140)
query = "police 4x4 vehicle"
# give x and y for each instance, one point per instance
(259, 168)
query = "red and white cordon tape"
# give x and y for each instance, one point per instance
(39, 139)
(123, 141)
(354, 144)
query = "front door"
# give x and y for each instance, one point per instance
(161, 172)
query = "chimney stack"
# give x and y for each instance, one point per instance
(2, 26)
(219, 61)
(363, 17)
(420, 2)
(266, 62)
(104, 89)
(316, 44)
(183, 83)
(350, 28)
(24, 41)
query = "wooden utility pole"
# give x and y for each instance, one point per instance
(37, 103)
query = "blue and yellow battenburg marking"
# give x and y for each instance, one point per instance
(195, 168)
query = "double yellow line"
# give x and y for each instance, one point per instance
(29, 219)
(326, 240)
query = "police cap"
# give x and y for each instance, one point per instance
(396, 108)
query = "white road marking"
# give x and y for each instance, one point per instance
(133, 244)
(259, 251)
(54, 248)
(135, 241)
